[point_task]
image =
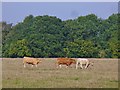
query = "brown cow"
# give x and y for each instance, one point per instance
(65, 61)
(29, 60)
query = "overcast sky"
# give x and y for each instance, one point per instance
(14, 12)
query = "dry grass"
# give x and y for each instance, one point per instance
(104, 74)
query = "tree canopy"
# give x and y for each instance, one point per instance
(47, 36)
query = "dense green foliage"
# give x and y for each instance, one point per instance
(48, 36)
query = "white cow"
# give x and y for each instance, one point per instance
(83, 61)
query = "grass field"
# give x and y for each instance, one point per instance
(104, 74)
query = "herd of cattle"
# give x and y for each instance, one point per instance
(60, 61)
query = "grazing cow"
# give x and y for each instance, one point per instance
(29, 60)
(83, 61)
(65, 61)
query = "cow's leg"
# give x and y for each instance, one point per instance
(24, 66)
(66, 66)
(36, 65)
(81, 66)
(77, 65)
(86, 65)
(60, 65)
(32, 66)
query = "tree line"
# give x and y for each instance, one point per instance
(48, 36)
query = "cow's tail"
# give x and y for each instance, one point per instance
(56, 64)
(24, 62)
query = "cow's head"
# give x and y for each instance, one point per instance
(38, 60)
(91, 63)
(73, 61)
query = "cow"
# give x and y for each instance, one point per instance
(65, 61)
(83, 61)
(29, 60)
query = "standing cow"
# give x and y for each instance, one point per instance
(29, 60)
(83, 61)
(65, 61)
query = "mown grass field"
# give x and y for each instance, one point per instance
(104, 74)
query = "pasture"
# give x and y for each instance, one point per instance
(104, 74)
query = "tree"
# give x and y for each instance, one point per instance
(49, 36)
(19, 49)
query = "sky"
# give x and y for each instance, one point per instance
(14, 12)
(60, 0)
